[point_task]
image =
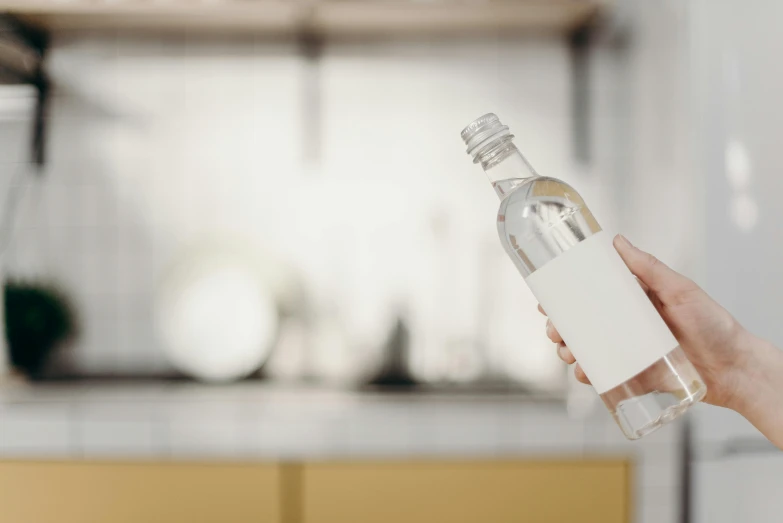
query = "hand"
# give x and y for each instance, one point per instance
(711, 338)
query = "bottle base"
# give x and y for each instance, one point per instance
(668, 414)
(658, 395)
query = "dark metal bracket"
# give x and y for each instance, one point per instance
(22, 52)
(579, 44)
(603, 31)
(311, 46)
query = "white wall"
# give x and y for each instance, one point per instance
(702, 194)
(155, 145)
(737, 81)
(737, 78)
(646, 56)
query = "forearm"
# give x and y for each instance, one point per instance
(759, 389)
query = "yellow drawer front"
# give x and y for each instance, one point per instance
(487, 492)
(76, 492)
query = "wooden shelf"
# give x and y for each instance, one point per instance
(332, 18)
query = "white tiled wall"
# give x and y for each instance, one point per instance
(156, 145)
(651, 149)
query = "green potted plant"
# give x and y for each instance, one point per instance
(37, 319)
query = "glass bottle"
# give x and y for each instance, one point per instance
(623, 345)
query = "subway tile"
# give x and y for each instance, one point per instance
(100, 272)
(660, 468)
(63, 204)
(525, 429)
(658, 505)
(450, 430)
(98, 343)
(135, 274)
(99, 204)
(212, 437)
(99, 437)
(45, 429)
(300, 438)
(376, 430)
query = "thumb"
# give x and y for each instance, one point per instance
(661, 279)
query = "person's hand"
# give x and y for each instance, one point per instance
(711, 338)
(742, 372)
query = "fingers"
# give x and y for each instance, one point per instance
(649, 270)
(580, 375)
(551, 332)
(565, 353)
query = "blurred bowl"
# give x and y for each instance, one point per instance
(217, 315)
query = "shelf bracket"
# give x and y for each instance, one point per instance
(579, 44)
(22, 52)
(311, 46)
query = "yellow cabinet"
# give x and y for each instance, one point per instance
(79, 492)
(463, 492)
(362, 492)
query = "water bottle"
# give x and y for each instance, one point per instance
(606, 319)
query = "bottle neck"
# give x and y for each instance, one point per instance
(505, 166)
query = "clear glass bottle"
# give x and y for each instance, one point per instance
(614, 331)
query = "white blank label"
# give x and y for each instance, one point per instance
(602, 313)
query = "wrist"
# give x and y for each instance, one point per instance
(758, 393)
(748, 375)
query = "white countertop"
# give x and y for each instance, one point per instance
(252, 421)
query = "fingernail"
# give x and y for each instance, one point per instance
(561, 350)
(624, 240)
(549, 328)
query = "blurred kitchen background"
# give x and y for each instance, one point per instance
(251, 274)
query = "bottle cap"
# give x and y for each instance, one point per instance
(482, 131)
